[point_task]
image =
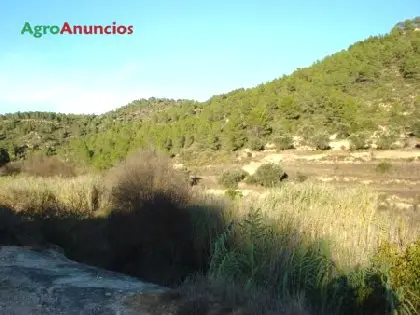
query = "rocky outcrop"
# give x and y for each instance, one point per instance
(44, 281)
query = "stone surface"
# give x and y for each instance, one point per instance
(39, 281)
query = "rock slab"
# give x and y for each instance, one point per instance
(44, 281)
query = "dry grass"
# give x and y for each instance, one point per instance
(308, 238)
(80, 195)
(348, 217)
(205, 157)
(198, 296)
(47, 166)
(40, 166)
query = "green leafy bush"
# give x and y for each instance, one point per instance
(233, 194)
(256, 144)
(320, 141)
(403, 269)
(343, 130)
(284, 142)
(416, 128)
(235, 141)
(358, 141)
(253, 253)
(306, 131)
(363, 291)
(385, 142)
(411, 67)
(231, 178)
(268, 175)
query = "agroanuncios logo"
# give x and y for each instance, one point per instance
(38, 31)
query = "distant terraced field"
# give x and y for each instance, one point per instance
(395, 174)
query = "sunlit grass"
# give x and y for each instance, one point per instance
(348, 217)
(79, 195)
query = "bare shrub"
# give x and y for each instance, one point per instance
(47, 166)
(11, 168)
(149, 227)
(143, 176)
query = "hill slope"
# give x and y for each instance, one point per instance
(375, 82)
(22, 132)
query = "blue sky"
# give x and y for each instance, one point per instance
(179, 49)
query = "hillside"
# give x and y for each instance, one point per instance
(23, 132)
(352, 93)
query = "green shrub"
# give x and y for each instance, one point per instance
(383, 167)
(235, 141)
(306, 131)
(385, 142)
(284, 142)
(358, 141)
(233, 194)
(343, 130)
(231, 178)
(363, 291)
(403, 269)
(254, 254)
(268, 175)
(320, 141)
(410, 67)
(256, 144)
(416, 128)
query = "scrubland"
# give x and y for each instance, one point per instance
(299, 248)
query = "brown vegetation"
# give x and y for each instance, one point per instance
(149, 199)
(47, 166)
(40, 166)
